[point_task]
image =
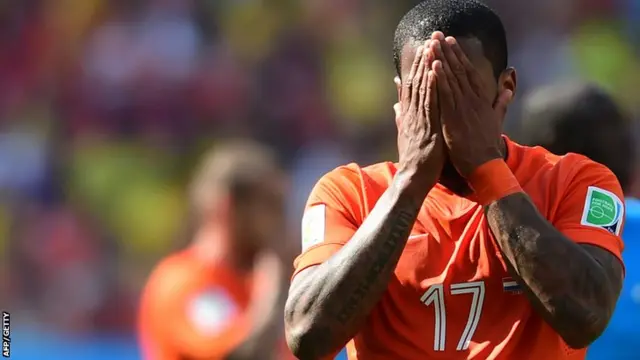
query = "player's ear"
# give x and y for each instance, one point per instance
(398, 83)
(506, 85)
(507, 81)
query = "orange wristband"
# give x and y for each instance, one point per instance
(493, 180)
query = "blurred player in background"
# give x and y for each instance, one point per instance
(222, 297)
(581, 118)
(471, 246)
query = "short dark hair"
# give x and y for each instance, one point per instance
(580, 118)
(458, 18)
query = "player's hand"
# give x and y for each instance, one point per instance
(471, 120)
(420, 142)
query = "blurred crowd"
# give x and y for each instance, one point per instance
(106, 105)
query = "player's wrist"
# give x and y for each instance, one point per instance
(492, 181)
(413, 184)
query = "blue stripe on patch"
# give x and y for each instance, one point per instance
(510, 285)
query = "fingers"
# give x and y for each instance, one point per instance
(408, 82)
(472, 74)
(454, 64)
(439, 49)
(425, 75)
(458, 66)
(445, 93)
(417, 96)
(444, 85)
(432, 105)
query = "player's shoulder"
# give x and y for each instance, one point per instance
(351, 182)
(354, 174)
(535, 162)
(551, 180)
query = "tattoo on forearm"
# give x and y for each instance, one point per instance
(573, 287)
(398, 228)
(338, 295)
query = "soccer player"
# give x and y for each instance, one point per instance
(222, 297)
(581, 118)
(471, 246)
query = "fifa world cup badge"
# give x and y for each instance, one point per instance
(313, 226)
(603, 209)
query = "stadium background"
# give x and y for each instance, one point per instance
(106, 105)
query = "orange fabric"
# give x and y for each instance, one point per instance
(492, 181)
(168, 327)
(451, 273)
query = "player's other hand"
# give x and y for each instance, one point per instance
(471, 119)
(420, 143)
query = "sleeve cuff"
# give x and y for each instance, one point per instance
(316, 255)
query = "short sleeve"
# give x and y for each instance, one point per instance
(330, 218)
(591, 209)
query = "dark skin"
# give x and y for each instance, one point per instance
(450, 177)
(578, 301)
(328, 303)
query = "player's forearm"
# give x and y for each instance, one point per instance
(566, 285)
(327, 307)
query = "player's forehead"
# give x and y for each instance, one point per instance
(471, 46)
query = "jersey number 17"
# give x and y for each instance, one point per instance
(435, 296)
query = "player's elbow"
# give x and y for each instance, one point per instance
(305, 338)
(311, 329)
(300, 342)
(293, 331)
(300, 334)
(582, 338)
(585, 330)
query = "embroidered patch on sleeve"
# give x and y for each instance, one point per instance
(313, 226)
(603, 209)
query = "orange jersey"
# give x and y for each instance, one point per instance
(451, 296)
(191, 309)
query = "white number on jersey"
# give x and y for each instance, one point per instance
(435, 295)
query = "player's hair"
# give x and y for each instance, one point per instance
(234, 168)
(580, 118)
(457, 18)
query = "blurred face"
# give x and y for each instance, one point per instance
(472, 47)
(259, 217)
